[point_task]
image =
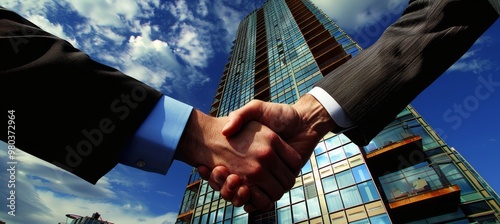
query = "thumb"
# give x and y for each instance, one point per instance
(240, 117)
(234, 124)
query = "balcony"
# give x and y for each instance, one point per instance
(394, 149)
(419, 191)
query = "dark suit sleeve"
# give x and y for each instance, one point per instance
(422, 44)
(69, 110)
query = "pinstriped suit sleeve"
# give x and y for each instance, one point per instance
(423, 43)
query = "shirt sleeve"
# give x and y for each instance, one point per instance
(334, 109)
(153, 146)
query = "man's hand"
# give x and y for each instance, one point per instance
(301, 125)
(262, 161)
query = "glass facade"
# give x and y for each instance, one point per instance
(407, 174)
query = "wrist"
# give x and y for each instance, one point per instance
(197, 139)
(314, 116)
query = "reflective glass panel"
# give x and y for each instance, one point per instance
(334, 202)
(350, 196)
(299, 212)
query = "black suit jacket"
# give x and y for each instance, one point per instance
(69, 110)
(422, 44)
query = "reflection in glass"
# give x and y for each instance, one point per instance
(229, 212)
(284, 215)
(307, 168)
(336, 155)
(361, 173)
(320, 148)
(334, 202)
(413, 180)
(284, 200)
(344, 178)
(220, 215)
(313, 206)
(368, 191)
(332, 142)
(351, 149)
(350, 196)
(299, 212)
(297, 194)
(243, 219)
(322, 160)
(329, 184)
(380, 219)
(456, 177)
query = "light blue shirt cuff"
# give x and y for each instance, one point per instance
(153, 146)
(334, 109)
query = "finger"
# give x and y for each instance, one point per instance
(242, 116)
(260, 200)
(286, 179)
(291, 160)
(269, 184)
(218, 177)
(249, 208)
(230, 187)
(204, 172)
(242, 196)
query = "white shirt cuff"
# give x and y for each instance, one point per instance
(334, 109)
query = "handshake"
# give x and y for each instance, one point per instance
(254, 155)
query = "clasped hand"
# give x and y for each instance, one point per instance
(277, 163)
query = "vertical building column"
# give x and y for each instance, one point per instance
(261, 87)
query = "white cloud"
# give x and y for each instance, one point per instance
(475, 66)
(55, 29)
(180, 10)
(150, 61)
(471, 62)
(192, 44)
(106, 13)
(126, 213)
(357, 14)
(45, 194)
(231, 19)
(112, 35)
(202, 8)
(29, 7)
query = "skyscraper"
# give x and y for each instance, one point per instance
(407, 174)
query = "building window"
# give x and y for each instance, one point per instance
(323, 160)
(368, 191)
(336, 155)
(344, 178)
(307, 168)
(284, 215)
(297, 194)
(361, 173)
(329, 184)
(299, 212)
(285, 200)
(334, 202)
(455, 177)
(380, 219)
(351, 149)
(350, 196)
(332, 142)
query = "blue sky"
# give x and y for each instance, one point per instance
(180, 47)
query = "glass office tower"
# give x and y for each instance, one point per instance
(407, 174)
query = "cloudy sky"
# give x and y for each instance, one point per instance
(180, 47)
